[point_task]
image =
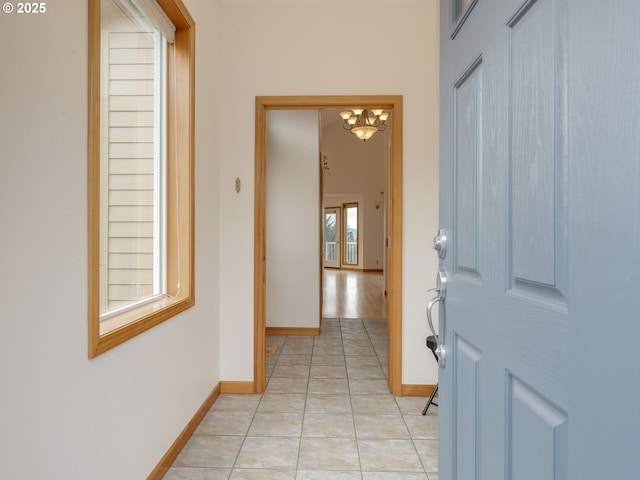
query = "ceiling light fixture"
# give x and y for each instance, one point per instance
(364, 123)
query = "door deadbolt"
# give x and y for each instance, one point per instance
(440, 243)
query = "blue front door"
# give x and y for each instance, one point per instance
(540, 197)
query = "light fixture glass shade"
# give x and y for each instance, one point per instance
(364, 133)
(364, 123)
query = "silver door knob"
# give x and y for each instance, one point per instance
(441, 290)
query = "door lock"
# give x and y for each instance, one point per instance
(440, 243)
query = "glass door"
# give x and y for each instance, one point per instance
(332, 237)
(351, 234)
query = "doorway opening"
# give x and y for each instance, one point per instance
(393, 242)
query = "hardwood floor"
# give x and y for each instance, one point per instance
(353, 294)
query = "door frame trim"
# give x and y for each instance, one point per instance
(394, 221)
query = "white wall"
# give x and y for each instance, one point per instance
(292, 217)
(63, 416)
(292, 49)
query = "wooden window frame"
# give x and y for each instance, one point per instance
(180, 186)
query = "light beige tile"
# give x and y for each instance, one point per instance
(298, 342)
(380, 426)
(328, 371)
(325, 341)
(328, 425)
(295, 349)
(221, 422)
(359, 349)
(335, 360)
(277, 340)
(330, 329)
(428, 451)
(275, 424)
(209, 451)
(334, 386)
(330, 321)
(291, 371)
(262, 474)
(380, 323)
(268, 370)
(287, 385)
(368, 386)
(328, 454)
(282, 402)
(335, 336)
(327, 475)
(394, 476)
(328, 349)
(346, 322)
(352, 336)
(378, 455)
(413, 405)
(269, 452)
(379, 341)
(381, 350)
(328, 403)
(375, 404)
(304, 420)
(237, 402)
(362, 361)
(301, 359)
(372, 372)
(360, 342)
(355, 336)
(196, 473)
(422, 427)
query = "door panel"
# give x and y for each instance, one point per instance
(467, 367)
(533, 420)
(537, 108)
(468, 120)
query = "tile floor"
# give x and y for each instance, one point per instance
(326, 414)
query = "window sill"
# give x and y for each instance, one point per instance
(122, 327)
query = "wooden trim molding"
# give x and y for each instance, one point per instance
(292, 331)
(409, 390)
(236, 387)
(394, 221)
(176, 447)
